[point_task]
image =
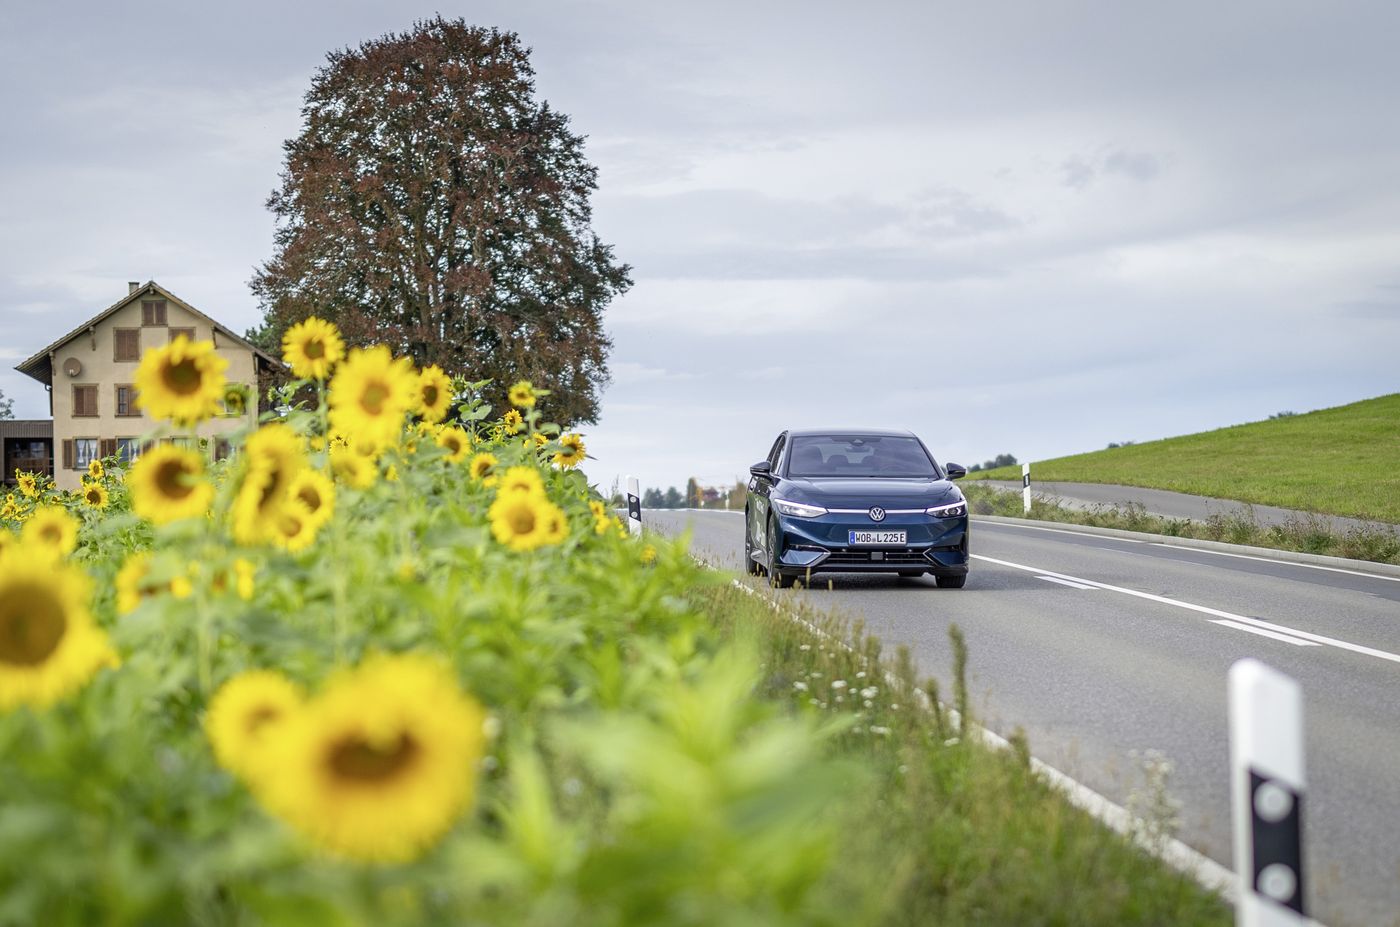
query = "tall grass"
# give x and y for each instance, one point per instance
(943, 829)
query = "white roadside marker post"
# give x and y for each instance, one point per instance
(1026, 487)
(634, 506)
(1267, 785)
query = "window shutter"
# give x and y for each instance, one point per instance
(68, 453)
(177, 332)
(160, 312)
(127, 344)
(148, 313)
(107, 447)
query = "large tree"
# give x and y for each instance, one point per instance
(431, 203)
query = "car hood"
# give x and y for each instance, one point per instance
(863, 492)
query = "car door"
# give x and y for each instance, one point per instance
(760, 488)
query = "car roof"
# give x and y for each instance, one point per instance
(881, 432)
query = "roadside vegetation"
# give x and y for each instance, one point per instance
(394, 662)
(1340, 461)
(1308, 534)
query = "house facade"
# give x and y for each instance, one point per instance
(90, 373)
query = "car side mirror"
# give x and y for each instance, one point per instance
(955, 471)
(763, 469)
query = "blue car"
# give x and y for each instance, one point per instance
(855, 501)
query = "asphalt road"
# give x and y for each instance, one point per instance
(1175, 504)
(1099, 676)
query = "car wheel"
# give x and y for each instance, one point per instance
(776, 577)
(951, 582)
(751, 566)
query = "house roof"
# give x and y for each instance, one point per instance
(40, 366)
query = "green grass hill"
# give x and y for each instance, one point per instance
(1341, 461)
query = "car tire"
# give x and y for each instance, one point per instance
(751, 566)
(951, 582)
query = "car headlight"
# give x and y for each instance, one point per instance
(797, 509)
(951, 510)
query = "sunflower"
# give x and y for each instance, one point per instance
(648, 555)
(455, 440)
(511, 422)
(434, 393)
(295, 526)
(10, 510)
(182, 381)
(313, 489)
(95, 495)
(540, 439)
(8, 542)
(522, 479)
(167, 484)
(28, 484)
(522, 521)
(522, 395)
(571, 451)
(312, 347)
(95, 470)
(49, 646)
(351, 468)
(274, 457)
(483, 468)
(370, 395)
(379, 766)
(242, 713)
(50, 531)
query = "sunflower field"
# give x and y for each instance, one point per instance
(393, 661)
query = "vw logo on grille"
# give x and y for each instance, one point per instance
(877, 513)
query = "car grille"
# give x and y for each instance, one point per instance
(863, 556)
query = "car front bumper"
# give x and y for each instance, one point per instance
(822, 545)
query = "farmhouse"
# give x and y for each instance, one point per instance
(89, 374)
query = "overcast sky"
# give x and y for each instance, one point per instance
(1026, 227)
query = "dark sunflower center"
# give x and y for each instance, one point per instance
(430, 394)
(315, 349)
(32, 623)
(272, 489)
(372, 399)
(291, 525)
(51, 533)
(311, 497)
(356, 759)
(260, 716)
(93, 496)
(521, 519)
(181, 378)
(171, 480)
(452, 443)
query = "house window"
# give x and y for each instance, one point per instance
(127, 345)
(126, 400)
(177, 332)
(84, 452)
(85, 400)
(222, 449)
(128, 449)
(152, 312)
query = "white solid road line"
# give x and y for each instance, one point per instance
(1065, 582)
(1287, 639)
(1206, 610)
(1310, 566)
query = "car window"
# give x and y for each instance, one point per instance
(859, 455)
(776, 453)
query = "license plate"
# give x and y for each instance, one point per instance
(876, 537)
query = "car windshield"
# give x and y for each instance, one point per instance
(859, 455)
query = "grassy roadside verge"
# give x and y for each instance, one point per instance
(1306, 534)
(944, 830)
(1339, 461)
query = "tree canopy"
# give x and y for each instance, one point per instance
(431, 203)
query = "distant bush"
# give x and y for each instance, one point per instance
(1001, 460)
(1284, 414)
